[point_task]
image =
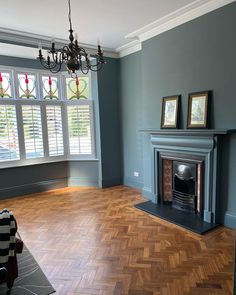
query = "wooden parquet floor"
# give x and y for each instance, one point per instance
(93, 241)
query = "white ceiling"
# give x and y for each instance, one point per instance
(108, 20)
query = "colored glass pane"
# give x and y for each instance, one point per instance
(77, 88)
(50, 87)
(27, 86)
(5, 85)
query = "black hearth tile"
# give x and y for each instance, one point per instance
(187, 220)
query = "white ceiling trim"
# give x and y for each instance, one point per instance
(170, 21)
(20, 37)
(19, 51)
(129, 48)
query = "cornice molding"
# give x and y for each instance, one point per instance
(176, 18)
(168, 22)
(24, 39)
(172, 20)
(129, 48)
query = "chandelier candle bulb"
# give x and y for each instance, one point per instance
(40, 47)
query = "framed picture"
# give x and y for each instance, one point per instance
(170, 108)
(198, 109)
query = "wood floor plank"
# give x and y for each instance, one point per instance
(93, 241)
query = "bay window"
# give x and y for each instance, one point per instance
(44, 117)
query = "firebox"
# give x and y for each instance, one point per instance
(182, 183)
(185, 186)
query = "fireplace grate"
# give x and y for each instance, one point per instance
(185, 202)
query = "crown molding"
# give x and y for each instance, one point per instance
(176, 18)
(168, 22)
(129, 48)
(24, 39)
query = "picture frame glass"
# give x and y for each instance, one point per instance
(198, 110)
(170, 112)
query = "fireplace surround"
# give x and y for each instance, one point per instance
(185, 177)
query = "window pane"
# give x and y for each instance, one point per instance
(5, 85)
(79, 126)
(27, 86)
(77, 88)
(55, 132)
(32, 131)
(9, 145)
(50, 87)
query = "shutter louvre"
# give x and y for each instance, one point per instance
(33, 131)
(79, 127)
(55, 130)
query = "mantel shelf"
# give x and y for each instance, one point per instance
(190, 132)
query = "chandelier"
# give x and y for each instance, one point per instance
(72, 55)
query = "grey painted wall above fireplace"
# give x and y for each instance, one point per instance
(199, 55)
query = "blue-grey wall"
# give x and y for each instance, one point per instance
(198, 55)
(34, 178)
(131, 119)
(109, 111)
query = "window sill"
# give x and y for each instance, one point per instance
(16, 164)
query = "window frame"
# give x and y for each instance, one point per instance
(62, 101)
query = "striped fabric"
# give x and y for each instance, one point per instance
(8, 230)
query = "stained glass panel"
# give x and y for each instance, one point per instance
(5, 85)
(77, 88)
(50, 87)
(27, 86)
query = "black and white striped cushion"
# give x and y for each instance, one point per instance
(8, 230)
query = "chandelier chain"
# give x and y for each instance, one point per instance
(69, 15)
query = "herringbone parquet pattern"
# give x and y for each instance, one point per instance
(93, 241)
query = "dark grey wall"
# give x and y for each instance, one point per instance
(109, 111)
(199, 55)
(32, 178)
(12, 61)
(83, 173)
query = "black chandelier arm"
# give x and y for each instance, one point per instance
(53, 67)
(100, 61)
(84, 71)
(65, 51)
(96, 68)
(56, 57)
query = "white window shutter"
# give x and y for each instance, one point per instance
(9, 144)
(55, 130)
(32, 131)
(79, 128)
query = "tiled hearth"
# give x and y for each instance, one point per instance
(185, 174)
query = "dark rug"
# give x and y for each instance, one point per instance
(187, 220)
(31, 279)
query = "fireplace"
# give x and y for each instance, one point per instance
(185, 177)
